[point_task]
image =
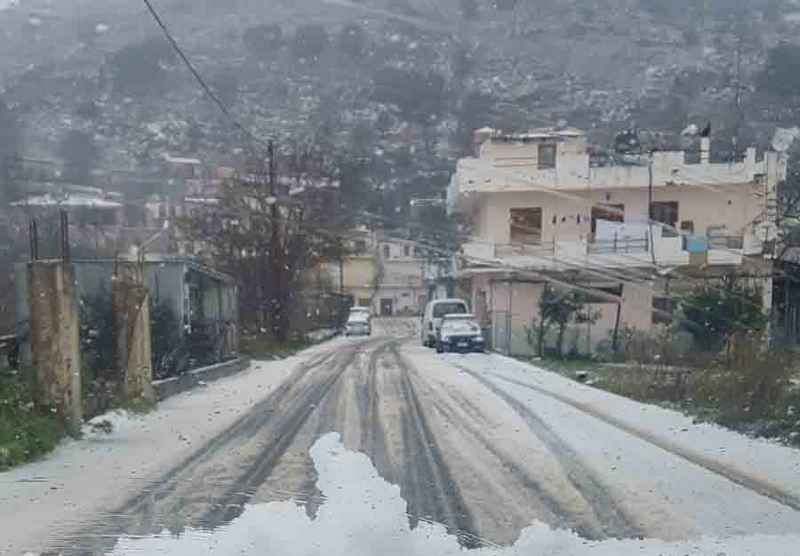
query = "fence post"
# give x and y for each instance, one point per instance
(55, 339)
(132, 345)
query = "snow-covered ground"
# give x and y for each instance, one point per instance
(500, 452)
(760, 461)
(364, 515)
(84, 478)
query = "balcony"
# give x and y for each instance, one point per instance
(623, 252)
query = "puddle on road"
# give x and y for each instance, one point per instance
(361, 514)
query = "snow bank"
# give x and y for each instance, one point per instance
(49, 499)
(364, 515)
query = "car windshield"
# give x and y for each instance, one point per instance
(442, 309)
(402, 277)
(459, 326)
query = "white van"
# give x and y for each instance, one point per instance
(432, 319)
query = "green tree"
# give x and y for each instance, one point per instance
(716, 311)
(419, 96)
(310, 41)
(139, 69)
(781, 73)
(79, 152)
(558, 308)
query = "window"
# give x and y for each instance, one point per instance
(526, 226)
(406, 250)
(454, 308)
(663, 309)
(687, 226)
(172, 211)
(547, 156)
(611, 213)
(665, 212)
(386, 252)
(162, 211)
(360, 246)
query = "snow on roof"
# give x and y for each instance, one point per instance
(202, 200)
(538, 133)
(181, 160)
(68, 200)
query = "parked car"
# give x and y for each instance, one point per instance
(460, 332)
(432, 318)
(363, 311)
(358, 325)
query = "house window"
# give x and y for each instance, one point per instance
(665, 212)
(611, 213)
(172, 211)
(386, 252)
(526, 225)
(547, 156)
(687, 227)
(407, 250)
(360, 246)
(663, 310)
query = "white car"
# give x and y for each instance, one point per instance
(432, 319)
(358, 325)
(360, 311)
(460, 333)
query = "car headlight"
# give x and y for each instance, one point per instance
(445, 338)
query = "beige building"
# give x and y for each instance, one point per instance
(385, 273)
(543, 210)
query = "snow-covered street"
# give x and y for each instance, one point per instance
(383, 443)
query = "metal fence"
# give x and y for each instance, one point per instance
(619, 245)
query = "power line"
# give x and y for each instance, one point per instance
(199, 78)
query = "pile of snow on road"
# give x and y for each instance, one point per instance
(364, 515)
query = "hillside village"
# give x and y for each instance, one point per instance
(262, 204)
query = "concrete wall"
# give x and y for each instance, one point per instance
(569, 219)
(513, 166)
(512, 306)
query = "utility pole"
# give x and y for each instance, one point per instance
(276, 256)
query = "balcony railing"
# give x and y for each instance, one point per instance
(619, 245)
(725, 242)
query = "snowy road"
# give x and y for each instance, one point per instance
(482, 445)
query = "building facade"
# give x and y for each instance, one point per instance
(632, 233)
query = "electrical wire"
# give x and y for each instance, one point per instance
(199, 78)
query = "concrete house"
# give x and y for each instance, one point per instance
(633, 231)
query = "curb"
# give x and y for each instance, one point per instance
(169, 387)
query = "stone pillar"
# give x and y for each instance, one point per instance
(55, 339)
(133, 362)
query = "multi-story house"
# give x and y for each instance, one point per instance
(388, 274)
(631, 233)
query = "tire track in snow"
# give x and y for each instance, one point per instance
(433, 494)
(141, 513)
(740, 478)
(612, 519)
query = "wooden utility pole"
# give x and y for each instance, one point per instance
(277, 298)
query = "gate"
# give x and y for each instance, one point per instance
(501, 332)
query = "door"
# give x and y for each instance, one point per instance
(387, 307)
